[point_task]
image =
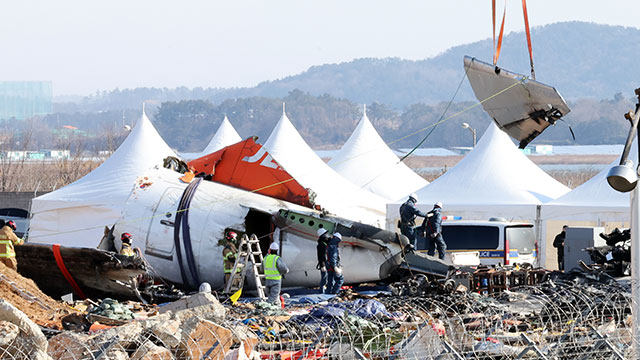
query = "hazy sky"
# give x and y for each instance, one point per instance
(83, 46)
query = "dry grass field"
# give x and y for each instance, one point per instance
(50, 175)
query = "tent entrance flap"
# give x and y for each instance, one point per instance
(521, 107)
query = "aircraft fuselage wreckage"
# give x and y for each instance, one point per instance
(179, 226)
(521, 107)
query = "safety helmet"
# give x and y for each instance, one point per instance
(414, 196)
(321, 231)
(11, 224)
(274, 246)
(438, 204)
(232, 235)
(126, 238)
(338, 235)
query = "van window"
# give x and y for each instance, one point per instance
(521, 238)
(471, 237)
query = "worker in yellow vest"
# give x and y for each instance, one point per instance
(274, 268)
(7, 240)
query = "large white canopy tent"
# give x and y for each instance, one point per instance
(225, 135)
(334, 193)
(367, 161)
(594, 203)
(494, 180)
(76, 214)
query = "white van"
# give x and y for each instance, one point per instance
(496, 240)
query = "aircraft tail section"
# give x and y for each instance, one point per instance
(247, 165)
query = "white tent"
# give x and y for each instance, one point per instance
(593, 203)
(225, 135)
(493, 180)
(334, 193)
(366, 160)
(76, 214)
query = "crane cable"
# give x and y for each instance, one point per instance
(496, 53)
(496, 50)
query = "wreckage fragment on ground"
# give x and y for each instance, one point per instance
(615, 257)
(520, 106)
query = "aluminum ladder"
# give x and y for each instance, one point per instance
(248, 252)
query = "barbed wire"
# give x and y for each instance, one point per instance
(559, 319)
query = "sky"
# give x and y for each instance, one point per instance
(86, 46)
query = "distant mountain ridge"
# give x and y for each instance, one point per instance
(580, 59)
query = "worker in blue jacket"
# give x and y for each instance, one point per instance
(433, 230)
(334, 270)
(408, 214)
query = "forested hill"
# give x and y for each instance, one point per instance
(579, 59)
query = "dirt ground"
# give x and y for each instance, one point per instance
(45, 311)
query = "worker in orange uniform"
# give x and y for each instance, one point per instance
(7, 241)
(126, 250)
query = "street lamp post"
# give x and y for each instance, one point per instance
(624, 178)
(473, 131)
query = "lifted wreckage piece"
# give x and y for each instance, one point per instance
(521, 107)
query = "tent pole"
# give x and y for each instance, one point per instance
(542, 246)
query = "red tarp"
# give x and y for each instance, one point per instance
(247, 165)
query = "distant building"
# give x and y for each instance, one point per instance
(18, 155)
(25, 99)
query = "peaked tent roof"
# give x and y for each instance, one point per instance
(225, 135)
(76, 214)
(367, 161)
(334, 193)
(495, 179)
(593, 200)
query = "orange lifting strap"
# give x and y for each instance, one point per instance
(496, 54)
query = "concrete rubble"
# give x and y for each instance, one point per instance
(565, 316)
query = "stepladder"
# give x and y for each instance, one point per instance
(248, 259)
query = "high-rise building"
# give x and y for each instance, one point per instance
(24, 99)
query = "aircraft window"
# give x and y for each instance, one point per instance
(320, 226)
(311, 223)
(168, 214)
(293, 217)
(301, 220)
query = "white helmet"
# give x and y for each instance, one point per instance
(205, 287)
(338, 235)
(321, 231)
(413, 196)
(274, 246)
(438, 204)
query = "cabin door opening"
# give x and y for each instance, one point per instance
(259, 223)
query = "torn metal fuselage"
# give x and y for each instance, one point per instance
(95, 271)
(521, 107)
(362, 237)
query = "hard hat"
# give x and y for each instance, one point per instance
(11, 224)
(438, 204)
(126, 237)
(274, 246)
(338, 235)
(321, 231)
(205, 288)
(414, 196)
(231, 235)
